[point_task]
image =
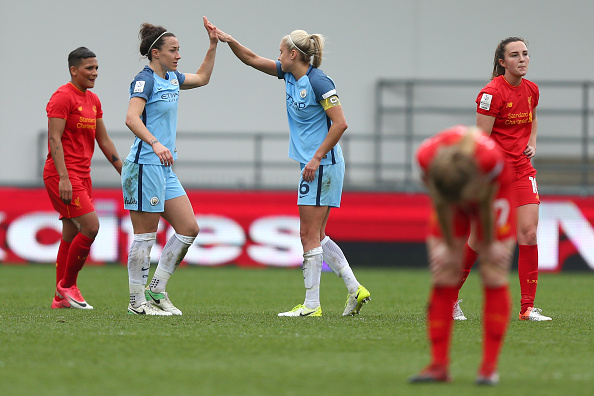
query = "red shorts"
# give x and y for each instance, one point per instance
(82, 196)
(525, 188)
(464, 217)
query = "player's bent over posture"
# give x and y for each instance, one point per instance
(469, 185)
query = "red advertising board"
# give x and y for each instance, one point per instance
(261, 228)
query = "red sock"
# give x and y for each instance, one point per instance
(497, 308)
(61, 260)
(470, 257)
(528, 274)
(439, 322)
(77, 255)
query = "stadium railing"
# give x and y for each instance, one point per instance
(406, 111)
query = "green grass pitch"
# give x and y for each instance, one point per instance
(231, 342)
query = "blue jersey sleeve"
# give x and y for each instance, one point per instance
(279, 71)
(181, 77)
(142, 86)
(322, 85)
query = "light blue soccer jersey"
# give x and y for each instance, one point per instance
(308, 122)
(160, 112)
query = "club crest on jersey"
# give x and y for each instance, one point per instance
(303, 93)
(154, 201)
(174, 82)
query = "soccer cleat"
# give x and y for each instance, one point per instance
(302, 310)
(458, 314)
(72, 297)
(147, 308)
(162, 301)
(433, 373)
(534, 314)
(59, 302)
(356, 300)
(490, 379)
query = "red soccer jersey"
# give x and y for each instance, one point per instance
(81, 111)
(491, 162)
(512, 108)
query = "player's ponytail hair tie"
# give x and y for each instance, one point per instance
(154, 42)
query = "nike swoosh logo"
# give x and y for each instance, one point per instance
(157, 300)
(307, 314)
(80, 304)
(145, 269)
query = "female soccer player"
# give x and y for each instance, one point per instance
(75, 121)
(151, 189)
(506, 109)
(469, 185)
(316, 124)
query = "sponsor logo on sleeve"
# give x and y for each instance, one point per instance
(485, 102)
(139, 87)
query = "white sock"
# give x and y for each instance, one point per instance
(139, 263)
(312, 273)
(334, 257)
(172, 255)
(137, 297)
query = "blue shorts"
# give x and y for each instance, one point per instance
(325, 189)
(147, 187)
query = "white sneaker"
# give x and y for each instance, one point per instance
(534, 314)
(458, 314)
(146, 308)
(302, 310)
(162, 301)
(355, 301)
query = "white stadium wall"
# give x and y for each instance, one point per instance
(367, 41)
